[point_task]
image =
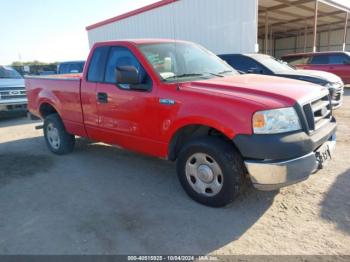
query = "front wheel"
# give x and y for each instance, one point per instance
(211, 171)
(57, 139)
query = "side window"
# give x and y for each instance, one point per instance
(244, 64)
(75, 68)
(232, 61)
(121, 56)
(319, 60)
(338, 59)
(68, 68)
(97, 64)
(63, 68)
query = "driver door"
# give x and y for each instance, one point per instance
(127, 117)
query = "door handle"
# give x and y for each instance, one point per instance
(102, 98)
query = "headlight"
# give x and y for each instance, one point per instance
(334, 85)
(276, 121)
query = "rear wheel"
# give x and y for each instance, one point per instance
(211, 171)
(57, 139)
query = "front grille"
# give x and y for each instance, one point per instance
(318, 112)
(8, 93)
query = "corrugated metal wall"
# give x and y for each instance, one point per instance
(223, 26)
(326, 41)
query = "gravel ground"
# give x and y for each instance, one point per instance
(101, 200)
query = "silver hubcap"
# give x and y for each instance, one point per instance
(53, 136)
(204, 174)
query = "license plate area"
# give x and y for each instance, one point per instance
(323, 155)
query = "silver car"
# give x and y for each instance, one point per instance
(12, 91)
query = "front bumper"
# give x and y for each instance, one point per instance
(272, 175)
(13, 106)
(275, 161)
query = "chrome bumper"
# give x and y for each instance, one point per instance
(270, 175)
(13, 105)
(337, 103)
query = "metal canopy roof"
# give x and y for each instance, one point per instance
(292, 17)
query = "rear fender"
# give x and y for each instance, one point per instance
(49, 98)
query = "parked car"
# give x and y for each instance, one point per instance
(70, 67)
(13, 97)
(268, 65)
(334, 62)
(336, 85)
(181, 102)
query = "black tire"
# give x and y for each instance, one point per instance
(229, 161)
(66, 140)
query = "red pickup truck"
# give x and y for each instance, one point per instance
(176, 100)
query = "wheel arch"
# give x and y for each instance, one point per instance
(187, 132)
(46, 108)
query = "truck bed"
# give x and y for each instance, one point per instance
(63, 91)
(57, 77)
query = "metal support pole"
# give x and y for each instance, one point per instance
(305, 36)
(271, 41)
(329, 38)
(266, 32)
(314, 49)
(345, 30)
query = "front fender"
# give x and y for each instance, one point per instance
(226, 118)
(202, 121)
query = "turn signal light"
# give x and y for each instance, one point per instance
(258, 120)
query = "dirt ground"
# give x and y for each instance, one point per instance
(101, 200)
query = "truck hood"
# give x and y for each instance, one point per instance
(332, 78)
(9, 82)
(267, 91)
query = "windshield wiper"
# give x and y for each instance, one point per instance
(183, 75)
(214, 74)
(225, 72)
(196, 74)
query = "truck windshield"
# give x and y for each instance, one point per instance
(183, 61)
(9, 72)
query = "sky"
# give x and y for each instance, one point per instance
(53, 30)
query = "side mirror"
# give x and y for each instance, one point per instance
(127, 75)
